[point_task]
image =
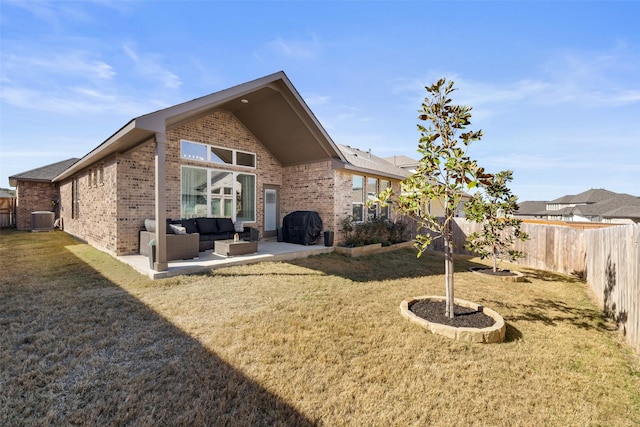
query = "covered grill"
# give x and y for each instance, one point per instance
(301, 227)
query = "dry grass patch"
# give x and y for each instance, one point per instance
(317, 341)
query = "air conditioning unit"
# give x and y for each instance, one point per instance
(42, 221)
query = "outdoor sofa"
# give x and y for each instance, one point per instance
(187, 237)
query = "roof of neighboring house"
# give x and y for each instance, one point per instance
(402, 161)
(618, 206)
(590, 196)
(6, 194)
(44, 173)
(591, 203)
(364, 161)
(269, 107)
(535, 207)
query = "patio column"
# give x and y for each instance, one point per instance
(161, 209)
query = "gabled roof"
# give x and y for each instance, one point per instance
(590, 196)
(534, 207)
(44, 173)
(402, 161)
(364, 161)
(618, 206)
(591, 203)
(4, 194)
(269, 107)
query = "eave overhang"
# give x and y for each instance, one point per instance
(366, 171)
(269, 107)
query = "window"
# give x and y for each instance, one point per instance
(75, 198)
(220, 194)
(245, 197)
(357, 191)
(221, 189)
(373, 188)
(384, 210)
(193, 151)
(221, 155)
(372, 194)
(194, 192)
(211, 154)
(101, 174)
(245, 159)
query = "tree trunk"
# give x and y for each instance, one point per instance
(448, 269)
(495, 259)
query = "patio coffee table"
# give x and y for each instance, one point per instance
(232, 247)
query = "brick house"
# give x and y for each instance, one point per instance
(594, 205)
(254, 153)
(36, 191)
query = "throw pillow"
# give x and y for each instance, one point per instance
(189, 224)
(177, 229)
(150, 225)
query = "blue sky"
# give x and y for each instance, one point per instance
(555, 86)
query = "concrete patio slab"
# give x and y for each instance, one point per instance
(209, 260)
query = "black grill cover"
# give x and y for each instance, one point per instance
(301, 227)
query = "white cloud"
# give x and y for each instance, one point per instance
(84, 101)
(149, 65)
(77, 63)
(587, 79)
(296, 49)
(316, 100)
(552, 162)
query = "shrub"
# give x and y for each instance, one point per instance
(374, 231)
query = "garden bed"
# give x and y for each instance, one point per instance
(376, 248)
(506, 275)
(470, 324)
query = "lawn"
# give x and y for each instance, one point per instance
(85, 340)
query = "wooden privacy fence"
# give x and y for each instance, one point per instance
(608, 258)
(7, 212)
(612, 267)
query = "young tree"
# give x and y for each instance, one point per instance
(443, 175)
(494, 208)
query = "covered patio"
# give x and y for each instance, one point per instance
(268, 250)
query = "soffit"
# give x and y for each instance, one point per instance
(269, 107)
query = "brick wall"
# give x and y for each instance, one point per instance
(112, 215)
(118, 194)
(220, 129)
(135, 196)
(309, 187)
(33, 196)
(95, 222)
(344, 199)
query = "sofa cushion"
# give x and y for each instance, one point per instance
(207, 225)
(189, 224)
(225, 225)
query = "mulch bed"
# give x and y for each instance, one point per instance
(465, 317)
(497, 273)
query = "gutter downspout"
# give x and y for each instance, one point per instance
(161, 263)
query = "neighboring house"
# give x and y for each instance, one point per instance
(404, 162)
(36, 191)
(532, 210)
(595, 205)
(253, 153)
(435, 208)
(7, 208)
